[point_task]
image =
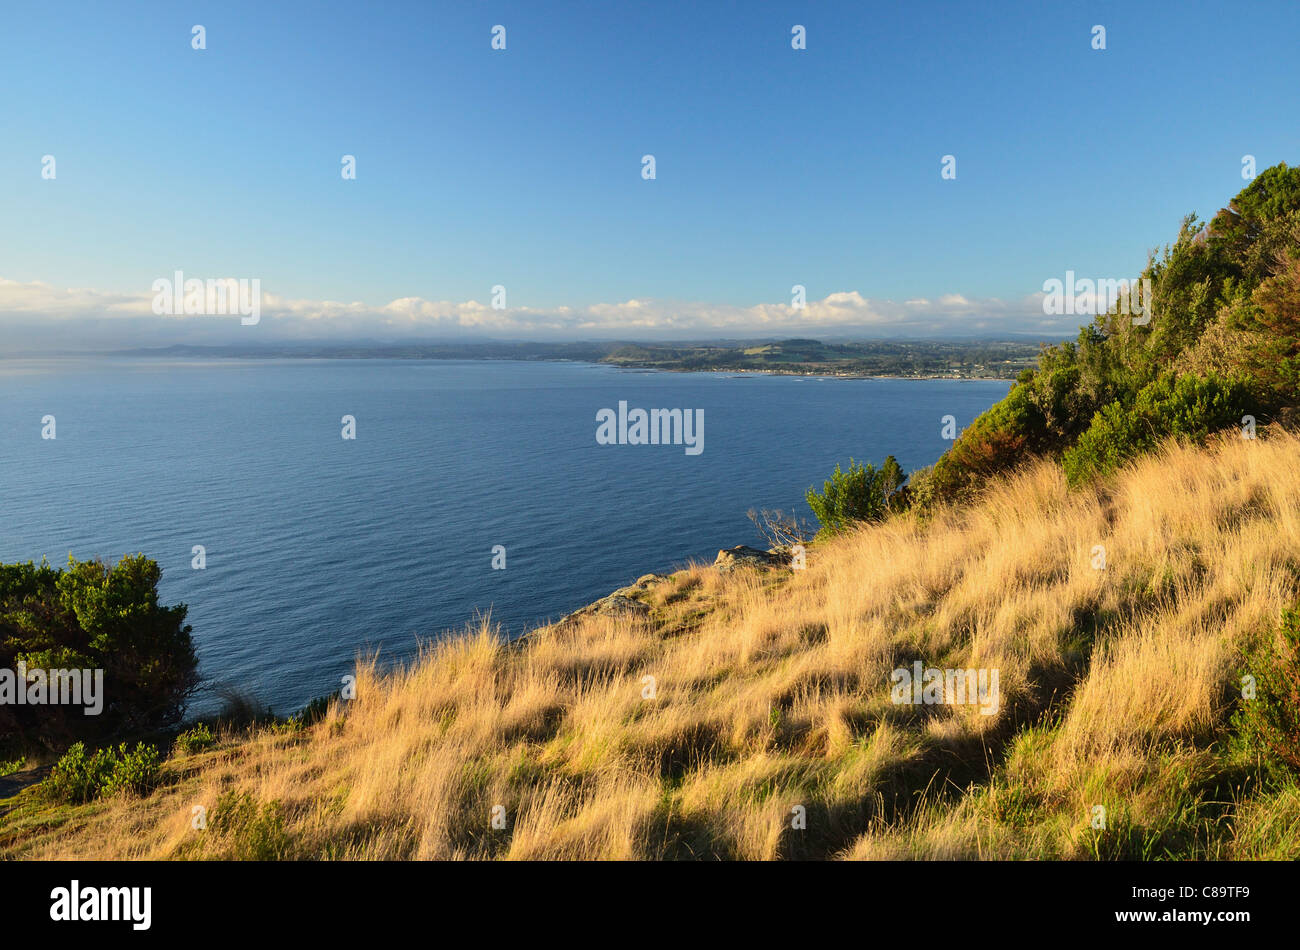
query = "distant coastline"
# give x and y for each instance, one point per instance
(987, 360)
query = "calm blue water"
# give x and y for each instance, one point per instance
(319, 547)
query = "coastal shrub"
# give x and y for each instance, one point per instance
(308, 715)
(1187, 406)
(1274, 315)
(95, 617)
(134, 772)
(995, 442)
(862, 494)
(1224, 304)
(79, 777)
(779, 529)
(922, 490)
(195, 739)
(1269, 723)
(317, 709)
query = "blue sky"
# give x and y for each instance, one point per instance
(522, 167)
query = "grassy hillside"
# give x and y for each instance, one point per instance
(772, 691)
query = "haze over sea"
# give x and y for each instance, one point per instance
(318, 548)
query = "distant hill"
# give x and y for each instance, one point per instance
(921, 358)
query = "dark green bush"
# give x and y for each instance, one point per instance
(316, 710)
(1090, 403)
(862, 494)
(96, 617)
(195, 739)
(1190, 407)
(1269, 724)
(78, 777)
(134, 772)
(996, 442)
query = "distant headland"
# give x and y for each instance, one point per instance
(909, 359)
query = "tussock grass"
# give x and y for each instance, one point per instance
(771, 691)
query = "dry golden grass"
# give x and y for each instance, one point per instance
(771, 691)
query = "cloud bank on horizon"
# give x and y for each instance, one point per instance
(38, 317)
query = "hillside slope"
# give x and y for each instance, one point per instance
(1211, 337)
(771, 692)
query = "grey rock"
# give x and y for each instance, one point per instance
(617, 604)
(742, 555)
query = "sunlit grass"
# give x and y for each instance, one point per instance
(745, 700)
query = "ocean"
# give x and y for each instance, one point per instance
(319, 547)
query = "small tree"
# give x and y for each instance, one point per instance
(862, 494)
(95, 616)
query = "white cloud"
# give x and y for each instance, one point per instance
(36, 316)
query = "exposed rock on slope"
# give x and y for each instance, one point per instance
(623, 602)
(742, 555)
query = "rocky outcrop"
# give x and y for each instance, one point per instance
(742, 555)
(627, 602)
(622, 603)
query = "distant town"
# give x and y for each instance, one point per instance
(913, 359)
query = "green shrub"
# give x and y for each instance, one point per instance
(995, 442)
(195, 739)
(94, 616)
(862, 494)
(309, 715)
(1185, 406)
(316, 710)
(134, 772)
(78, 777)
(1270, 722)
(923, 490)
(1090, 403)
